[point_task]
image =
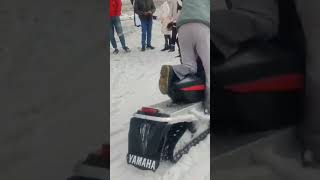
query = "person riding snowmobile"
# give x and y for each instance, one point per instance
(194, 36)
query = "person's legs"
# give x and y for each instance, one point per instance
(144, 27)
(118, 27)
(188, 53)
(174, 35)
(173, 38)
(177, 41)
(166, 42)
(203, 50)
(149, 32)
(112, 39)
(188, 65)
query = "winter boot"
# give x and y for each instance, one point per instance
(116, 51)
(166, 43)
(166, 47)
(167, 75)
(150, 47)
(172, 48)
(126, 49)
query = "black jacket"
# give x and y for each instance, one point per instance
(142, 6)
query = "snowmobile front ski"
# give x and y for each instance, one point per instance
(165, 131)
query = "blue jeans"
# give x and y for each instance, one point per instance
(116, 25)
(146, 27)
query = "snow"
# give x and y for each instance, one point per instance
(134, 83)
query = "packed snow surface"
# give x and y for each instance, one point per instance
(133, 84)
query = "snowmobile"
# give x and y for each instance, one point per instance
(94, 167)
(167, 130)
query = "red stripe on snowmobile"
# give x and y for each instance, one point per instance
(194, 88)
(288, 82)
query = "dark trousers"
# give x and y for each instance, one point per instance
(146, 28)
(174, 35)
(167, 40)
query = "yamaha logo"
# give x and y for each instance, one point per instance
(142, 162)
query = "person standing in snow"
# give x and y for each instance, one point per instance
(193, 27)
(165, 19)
(145, 9)
(115, 13)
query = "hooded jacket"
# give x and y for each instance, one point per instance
(115, 7)
(165, 17)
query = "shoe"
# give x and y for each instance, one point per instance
(166, 76)
(172, 49)
(165, 48)
(126, 49)
(143, 49)
(116, 51)
(150, 47)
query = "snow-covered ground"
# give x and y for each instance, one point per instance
(134, 83)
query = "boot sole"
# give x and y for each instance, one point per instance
(165, 74)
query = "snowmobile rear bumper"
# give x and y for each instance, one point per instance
(152, 137)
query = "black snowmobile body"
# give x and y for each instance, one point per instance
(154, 136)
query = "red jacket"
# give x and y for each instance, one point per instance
(115, 7)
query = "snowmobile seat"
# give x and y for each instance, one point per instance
(188, 90)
